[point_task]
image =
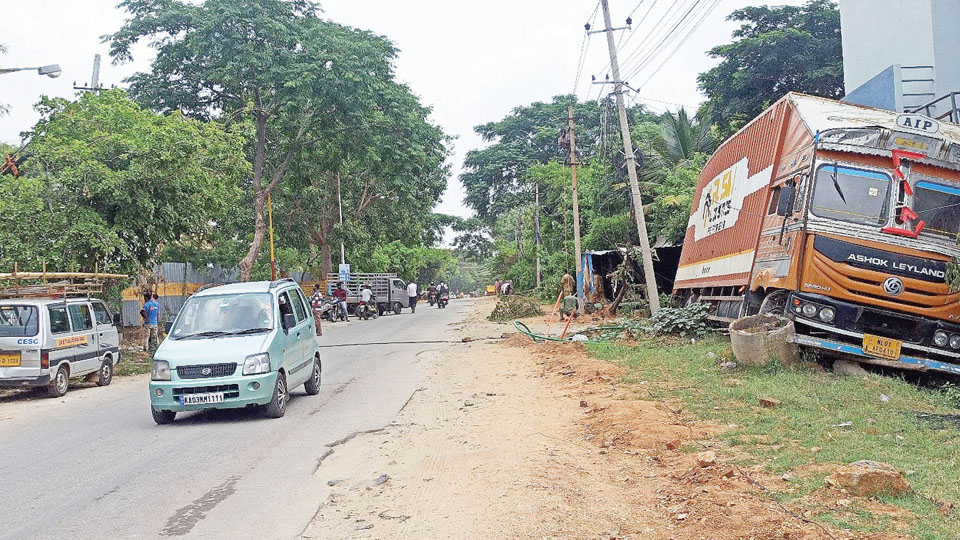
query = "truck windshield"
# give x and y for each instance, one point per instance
(851, 195)
(224, 315)
(18, 321)
(939, 206)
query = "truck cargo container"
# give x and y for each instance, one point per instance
(844, 218)
(389, 290)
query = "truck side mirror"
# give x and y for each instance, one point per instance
(116, 319)
(785, 203)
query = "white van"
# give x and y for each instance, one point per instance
(46, 341)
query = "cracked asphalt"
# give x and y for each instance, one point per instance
(94, 465)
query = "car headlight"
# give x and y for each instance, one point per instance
(160, 371)
(256, 364)
(827, 314)
(940, 338)
(955, 341)
(809, 310)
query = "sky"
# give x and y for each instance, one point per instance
(471, 61)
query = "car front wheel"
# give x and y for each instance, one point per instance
(312, 386)
(163, 417)
(278, 404)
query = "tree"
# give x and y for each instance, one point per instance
(274, 63)
(777, 50)
(669, 213)
(109, 184)
(674, 138)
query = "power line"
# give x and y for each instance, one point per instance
(653, 35)
(692, 31)
(633, 32)
(584, 47)
(669, 38)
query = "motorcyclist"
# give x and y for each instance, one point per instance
(366, 295)
(432, 293)
(341, 295)
(442, 288)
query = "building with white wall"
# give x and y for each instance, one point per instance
(900, 54)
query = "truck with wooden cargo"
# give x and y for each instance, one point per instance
(841, 217)
(389, 290)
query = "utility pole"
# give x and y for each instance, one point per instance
(343, 257)
(576, 208)
(536, 227)
(653, 297)
(94, 77)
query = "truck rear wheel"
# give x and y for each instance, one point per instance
(61, 381)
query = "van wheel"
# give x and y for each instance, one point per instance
(312, 386)
(58, 386)
(397, 307)
(278, 404)
(106, 373)
(163, 417)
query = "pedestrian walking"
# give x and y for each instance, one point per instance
(151, 314)
(412, 293)
(316, 302)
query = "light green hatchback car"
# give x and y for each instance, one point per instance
(237, 345)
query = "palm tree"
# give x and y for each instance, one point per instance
(674, 139)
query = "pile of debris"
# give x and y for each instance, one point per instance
(512, 307)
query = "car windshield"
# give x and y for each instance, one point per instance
(224, 315)
(18, 321)
(851, 195)
(938, 205)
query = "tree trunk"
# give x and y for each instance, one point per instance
(612, 309)
(259, 232)
(326, 258)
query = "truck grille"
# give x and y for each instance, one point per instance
(204, 371)
(229, 390)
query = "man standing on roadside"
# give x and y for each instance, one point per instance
(412, 293)
(151, 311)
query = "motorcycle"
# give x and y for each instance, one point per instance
(368, 309)
(333, 310)
(432, 298)
(443, 300)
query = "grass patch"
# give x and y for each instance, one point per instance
(134, 363)
(810, 426)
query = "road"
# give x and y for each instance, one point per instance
(94, 464)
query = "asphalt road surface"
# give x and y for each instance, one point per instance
(94, 464)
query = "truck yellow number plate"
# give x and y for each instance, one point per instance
(881, 346)
(9, 359)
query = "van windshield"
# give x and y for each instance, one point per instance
(851, 195)
(18, 321)
(224, 315)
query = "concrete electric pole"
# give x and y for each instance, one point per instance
(652, 295)
(576, 208)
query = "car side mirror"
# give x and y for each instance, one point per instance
(288, 321)
(116, 319)
(167, 327)
(785, 203)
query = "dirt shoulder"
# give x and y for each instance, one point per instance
(523, 440)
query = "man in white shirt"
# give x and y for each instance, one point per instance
(412, 293)
(366, 294)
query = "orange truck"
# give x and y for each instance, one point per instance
(844, 218)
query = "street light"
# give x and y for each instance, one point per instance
(53, 70)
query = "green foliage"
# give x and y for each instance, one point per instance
(673, 139)
(669, 213)
(513, 307)
(777, 49)
(109, 184)
(690, 320)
